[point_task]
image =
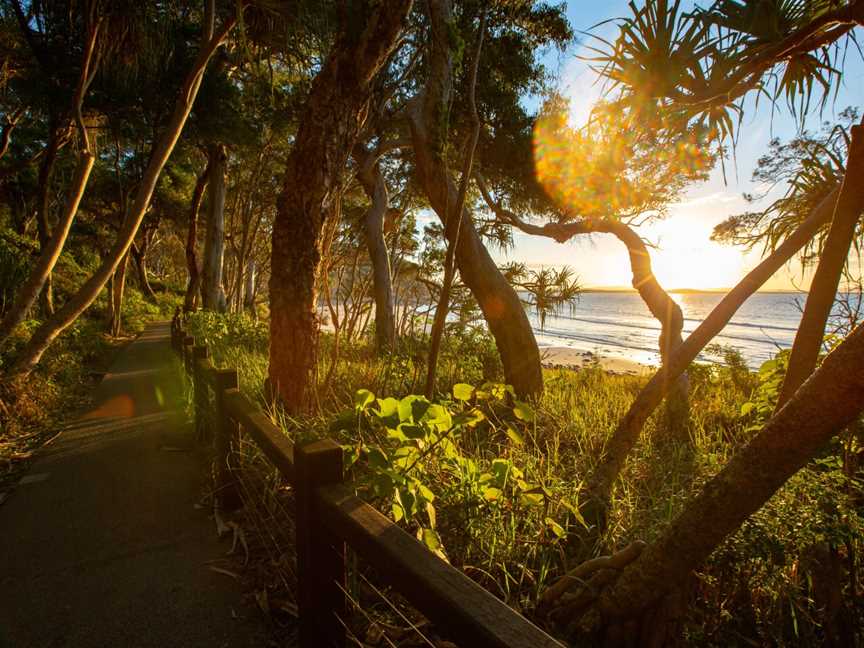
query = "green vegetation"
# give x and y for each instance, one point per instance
(492, 484)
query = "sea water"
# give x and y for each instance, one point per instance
(618, 324)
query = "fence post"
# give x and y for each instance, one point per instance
(320, 556)
(199, 385)
(226, 431)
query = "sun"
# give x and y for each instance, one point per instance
(685, 257)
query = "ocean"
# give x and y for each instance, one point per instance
(618, 324)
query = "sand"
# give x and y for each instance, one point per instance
(553, 356)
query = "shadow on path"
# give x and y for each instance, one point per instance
(101, 543)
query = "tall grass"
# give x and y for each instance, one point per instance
(755, 589)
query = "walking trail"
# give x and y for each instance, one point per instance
(101, 543)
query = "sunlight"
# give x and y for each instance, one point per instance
(685, 256)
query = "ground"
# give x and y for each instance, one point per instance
(105, 542)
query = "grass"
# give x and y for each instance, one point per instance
(756, 589)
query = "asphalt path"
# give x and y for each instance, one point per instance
(103, 543)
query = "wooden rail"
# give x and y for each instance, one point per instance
(329, 516)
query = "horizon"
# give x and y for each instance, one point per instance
(681, 241)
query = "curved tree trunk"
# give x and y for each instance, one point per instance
(823, 288)
(382, 280)
(50, 251)
(831, 399)
(212, 291)
(498, 300)
(621, 442)
(139, 255)
(48, 332)
(43, 203)
(332, 118)
(193, 288)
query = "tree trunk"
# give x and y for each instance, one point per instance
(212, 291)
(627, 433)
(831, 399)
(43, 207)
(50, 251)
(249, 291)
(823, 288)
(331, 120)
(117, 287)
(48, 332)
(193, 288)
(499, 302)
(139, 255)
(382, 279)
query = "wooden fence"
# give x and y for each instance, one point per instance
(329, 516)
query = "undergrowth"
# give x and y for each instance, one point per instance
(491, 484)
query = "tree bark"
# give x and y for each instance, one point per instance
(212, 290)
(372, 179)
(831, 399)
(48, 332)
(627, 433)
(193, 288)
(499, 302)
(333, 116)
(118, 288)
(832, 260)
(249, 290)
(139, 255)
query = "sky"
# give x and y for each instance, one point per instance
(684, 257)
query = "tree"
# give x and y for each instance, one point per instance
(674, 71)
(831, 399)
(332, 119)
(500, 304)
(52, 245)
(42, 338)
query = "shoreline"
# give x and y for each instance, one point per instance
(559, 357)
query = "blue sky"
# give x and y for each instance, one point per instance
(684, 256)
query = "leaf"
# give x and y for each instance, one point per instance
(412, 431)
(576, 512)
(388, 407)
(556, 528)
(524, 412)
(363, 398)
(746, 408)
(463, 392)
(492, 494)
(376, 458)
(430, 538)
(433, 517)
(514, 436)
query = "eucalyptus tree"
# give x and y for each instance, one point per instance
(212, 37)
(671, 71)
(507, 70)
(331, 120)
(80, 28)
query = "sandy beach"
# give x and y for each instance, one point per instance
(556, 356)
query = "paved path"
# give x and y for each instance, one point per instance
(101, 543)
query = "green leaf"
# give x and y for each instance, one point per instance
(388, 407)
(412, 431)
(363, 398)
(462, 392)
(433, 517)
(492, 494)
(524, 412)
(556, 528)
(746, 408)
(514, 436)
(376, 458)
